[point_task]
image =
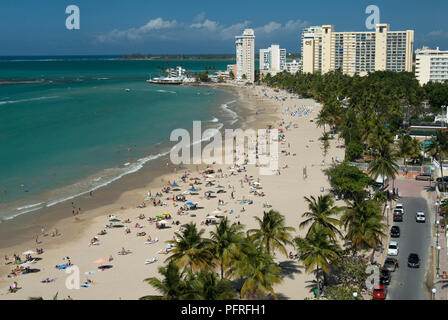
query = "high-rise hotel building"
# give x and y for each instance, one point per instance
(431, 65)
(272, 59)
(245, 55)
(325, 50)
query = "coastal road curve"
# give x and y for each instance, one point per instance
(407, 283)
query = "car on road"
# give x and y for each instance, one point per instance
(413, 260)
(420, 216)
(424, 177)
(395, 232)
(399, 206)
(385, 276)
(379, 293)
(390, 264)
(398, 216)
(392, 250)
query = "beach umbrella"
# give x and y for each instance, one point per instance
(195, 178)
(163, 222)
(210, 191)
(159, 216)
(211, 217)
(100, 260)
(175, 185)
(166, 214)
(210, 176)
(114, 220)
(217, 212)
(26, 264)
(219, 186)
(191, 204)
(29, 252)
(192, 189)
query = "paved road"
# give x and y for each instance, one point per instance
(407, 283)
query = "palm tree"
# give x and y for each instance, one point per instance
(258, 270)
(383, 163)
(226, 243)
(405, 147)
(317, 252)
(191, 250)
(439, 149)
(205, 285)
(320, 215)
(362, 220)
(172, 287)
(272, 233)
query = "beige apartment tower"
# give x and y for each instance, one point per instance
(245, 56)
(325, 50)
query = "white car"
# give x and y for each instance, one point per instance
(392, 250)
(420, 216)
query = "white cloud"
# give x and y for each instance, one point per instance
(438, 33)
(233, 30)
(137, 33)
(268, 28)
(207, 24)
(202, 29)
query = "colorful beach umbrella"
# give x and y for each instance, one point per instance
(175, 185)
(166, 214)
(192, 189)
(191, 204)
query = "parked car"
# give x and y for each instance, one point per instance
(385, 276)
(379, 293)
(424, 177)
(390, 264)
(395, 232)
(392, 250)
(413, 260)
(420, 216)
(398, 216)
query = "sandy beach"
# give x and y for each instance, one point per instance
(284, 191)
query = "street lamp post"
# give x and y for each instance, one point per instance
(438, 261)
(434, 291)
(437, 233)
(355, 295)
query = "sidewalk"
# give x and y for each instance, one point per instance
(441, 240)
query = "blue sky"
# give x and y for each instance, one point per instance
(37, 27)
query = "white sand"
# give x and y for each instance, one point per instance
(284, 192)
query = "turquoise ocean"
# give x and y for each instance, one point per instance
(68, 125)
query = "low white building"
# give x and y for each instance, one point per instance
(293, 66)
(431, 65)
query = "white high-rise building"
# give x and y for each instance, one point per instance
(431, 65)
(272, 59)
(245, 55)
(324, 50)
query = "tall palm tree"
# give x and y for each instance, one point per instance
(363, 222)
(405, 147)
(172, 286)
(258, 270)
(226, 243)
(272, 233)
(317, 252)
(439, 149)
(191, 250)
(205, 285)
(383, 163)
(320, 215)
